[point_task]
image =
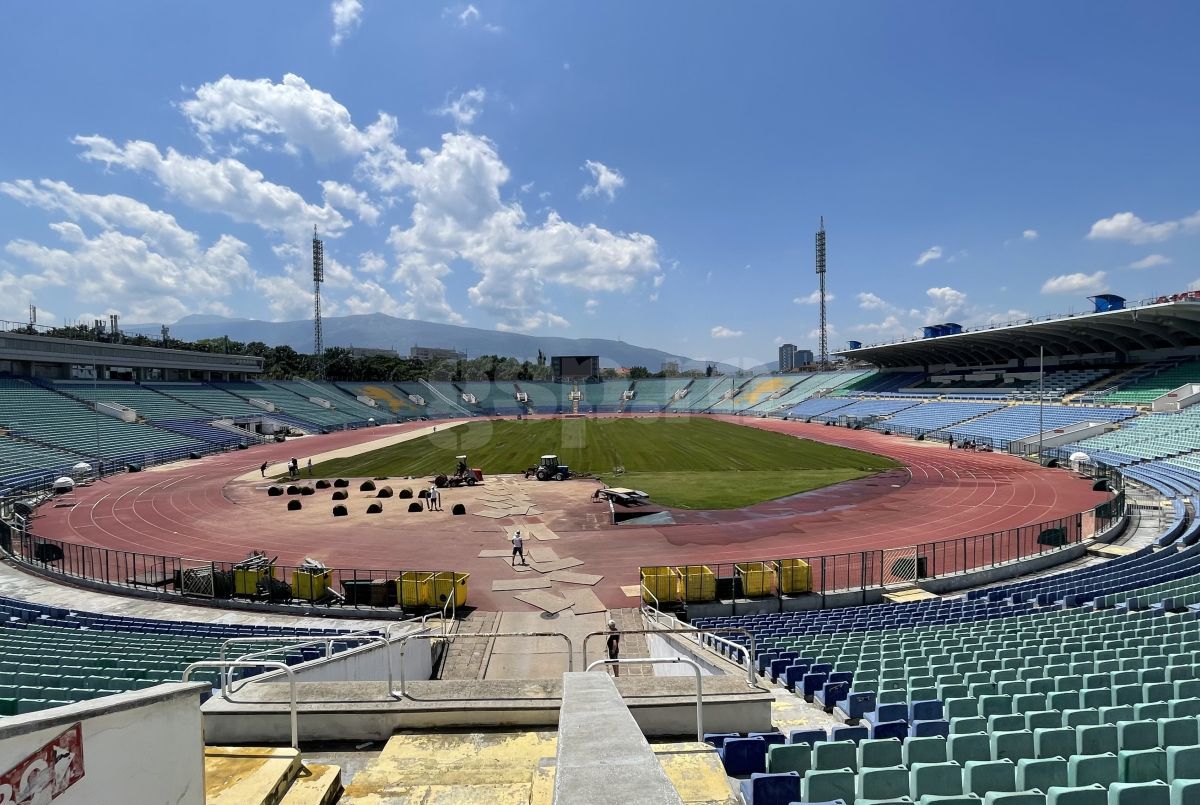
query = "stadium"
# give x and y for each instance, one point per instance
(946, 569)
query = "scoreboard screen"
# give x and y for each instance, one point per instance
(575, 367)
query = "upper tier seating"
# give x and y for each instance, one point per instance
(295, 404)
(149, 403)
(1146, 390)
(49, 417)
(882, 383)
(604, 397)
(703, 392)
(209, 398)
(341, 399)
(387, 397)
(654, 394)
(499, 398)
(547, 398)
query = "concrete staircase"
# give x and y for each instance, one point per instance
(253, 775)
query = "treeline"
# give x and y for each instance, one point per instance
(284, 363)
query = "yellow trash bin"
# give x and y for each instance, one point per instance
(310, 586)
(795, 576)
(758, 578)
(659, 585)
(413, 587)
(697, 583)
(445, 584)
(245, 582)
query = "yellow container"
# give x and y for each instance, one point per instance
(697, 583)
(245, 582)
(660, 585)
(310, 586)
(758, 578)
(445, 584)
(414, 588)
(795, 576)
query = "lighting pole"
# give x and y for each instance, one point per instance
(1041, 398)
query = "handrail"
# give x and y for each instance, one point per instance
(291, 642)
(404, 641)
(222, 665)
(657, 604)
(659, 661)
(750, 653)
(732, 645)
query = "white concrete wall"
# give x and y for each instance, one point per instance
(266, 405)
(369, 664)
(1177, 399)
(121, 412)
(144, 747)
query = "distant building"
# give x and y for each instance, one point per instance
(670, 367)
(436, 354)
(804, 357)
(787, 357)
(371, 352)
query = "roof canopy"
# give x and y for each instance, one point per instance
(1167, 324)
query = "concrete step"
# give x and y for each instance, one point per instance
(542, 790)
(248, 775)
(901, 595)
(1110, 551)
(696, 772)
(317, 784)
(499, 768)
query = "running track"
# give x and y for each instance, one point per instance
(187, 510)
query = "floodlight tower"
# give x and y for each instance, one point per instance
(823, 360)
(318, 260)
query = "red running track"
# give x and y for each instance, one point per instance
(194, 510)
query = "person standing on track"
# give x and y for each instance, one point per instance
(310, 468)
(435, 498)
(518, 547)
(263, 469)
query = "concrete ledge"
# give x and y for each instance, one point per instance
(602, 755)
(12, 726)
(662, 707)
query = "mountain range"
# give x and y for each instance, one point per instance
(380, 331)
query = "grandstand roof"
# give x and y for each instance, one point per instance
(1164, 323)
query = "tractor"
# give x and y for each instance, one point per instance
(463, 475)
(549, 468)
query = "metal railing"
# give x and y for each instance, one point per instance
(221, 666)
(294, 642)
(749, 652)
(403, 694)
(663, 661)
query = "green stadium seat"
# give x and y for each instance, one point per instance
(1077, 795)
(1094, 740)
(1185, 792)
(931, 749)
(1151, 792)
(880, 753)
(1013, 745)
(1042, 719)
(789, 757)
(833, 755)
(1137, 734)
(1183, 763)
(1033, 797)
(1099, 769)
(935, 778)
(1142, 765)
(962, 748)
(1041, 773)
(826, 786)
(882, 783)
(982, 776)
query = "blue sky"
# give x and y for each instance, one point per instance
(648, 171)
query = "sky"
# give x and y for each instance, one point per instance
(652, 172)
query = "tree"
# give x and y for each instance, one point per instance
(638, 373)
(708, 370)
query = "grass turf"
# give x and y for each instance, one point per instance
(684, 462)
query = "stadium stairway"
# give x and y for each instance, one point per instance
(249, 775)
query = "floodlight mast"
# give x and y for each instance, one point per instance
(318, 259)
(823, 349)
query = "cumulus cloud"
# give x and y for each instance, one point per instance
(721, 331)
(226, 186)
(1076, 283)
(930, 254)
(139, 262)
(347, 16)
(606, 181)
(470, 16)
(465, 108)
(869, 301)
(1129, 227)
(1029, 234)
(347, 198)
(813, 298)
(947, 303)
(1151, 261)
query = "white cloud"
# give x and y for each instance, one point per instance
(890, 327)
(303, 117)
(347, 198)
(471, 16)
(465, 108)
(607, 181)
(1029, 234)
(869, 301)
(1075, 283)
(813, 298)
(347, 16)
(1128, 227)
(225, 186)
(948, 303)
(721, 331)
(591, 306)
(932, 253)
(1151, 261)
(141, 263)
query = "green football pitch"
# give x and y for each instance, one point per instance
(684, 462)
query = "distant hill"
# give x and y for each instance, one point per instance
(381, 331)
